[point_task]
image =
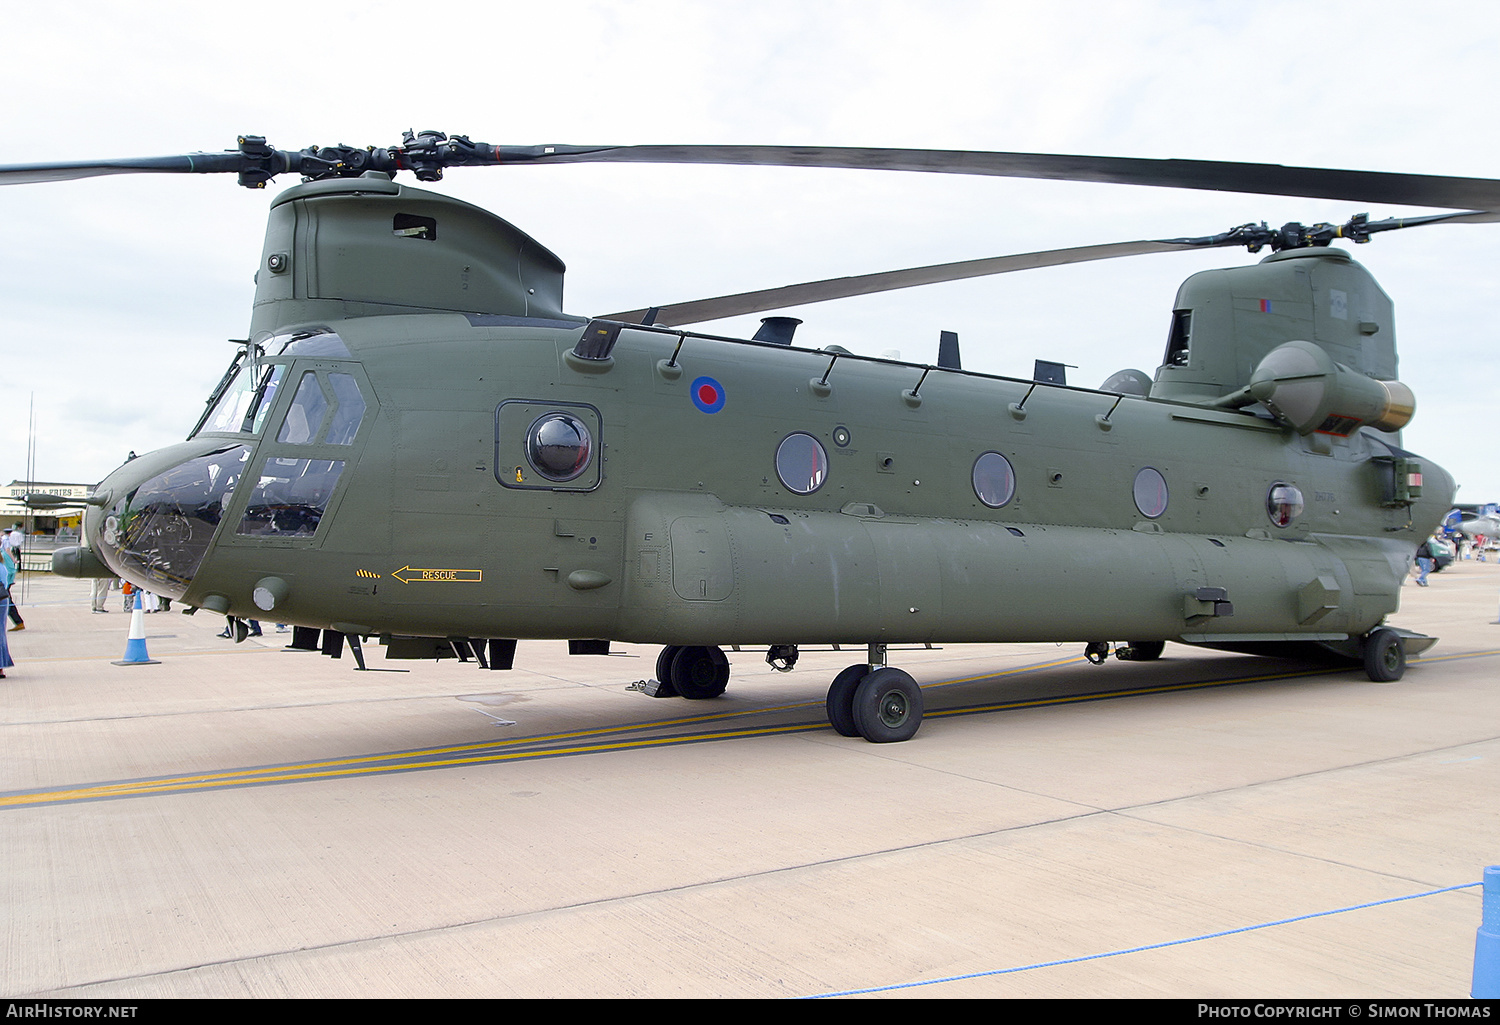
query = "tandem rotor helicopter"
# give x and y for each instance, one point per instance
(609, 478)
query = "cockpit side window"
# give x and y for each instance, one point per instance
(305, 416)
(323, 396)
(350, 412)
(300, 463)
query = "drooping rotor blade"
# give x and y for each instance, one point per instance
(763, 300)
(1253, 236)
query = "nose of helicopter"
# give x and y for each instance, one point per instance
(156, 515)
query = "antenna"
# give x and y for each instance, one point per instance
(28, 518)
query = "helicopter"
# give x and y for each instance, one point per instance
(622, 478)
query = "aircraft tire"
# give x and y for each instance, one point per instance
(1146, 651)
(699, 673)
(887, 706)
(840, 703)
(1385, 656)
(664, 669)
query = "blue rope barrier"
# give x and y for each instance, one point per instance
(1137, 950)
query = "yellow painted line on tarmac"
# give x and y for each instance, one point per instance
(1193, 685)
(537, 747)
(430, 758)
(351, 768)
(1454, 657)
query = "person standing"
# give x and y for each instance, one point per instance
(10, 550)
(1424, 563)
(101, 592)
(5, 659)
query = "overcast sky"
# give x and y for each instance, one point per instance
(117, 294)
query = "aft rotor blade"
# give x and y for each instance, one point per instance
(1254, 236)
(1258, 179)
(720, 307)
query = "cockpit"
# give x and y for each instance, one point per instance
(285, 419)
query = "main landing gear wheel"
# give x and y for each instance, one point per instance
(1141, 651)
(840, 703)
(1385, 655)
(882, 705)
(699, 673)
(887, 706)
(664, 670)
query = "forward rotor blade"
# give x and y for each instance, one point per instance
(196, 163)
(1259, 179)
(429, 153)
(764, 300)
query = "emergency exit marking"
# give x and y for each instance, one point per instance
(408, 575)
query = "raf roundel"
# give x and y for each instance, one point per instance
(708, 394)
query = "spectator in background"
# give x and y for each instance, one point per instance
(5, 661)
(10, 553)
(1425, 563)
(101, 592)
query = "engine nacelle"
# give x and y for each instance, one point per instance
(1301, 385)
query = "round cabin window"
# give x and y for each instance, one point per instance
(801, 463)
(1150, 492)
(994, 479)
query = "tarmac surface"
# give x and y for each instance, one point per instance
(243, 821)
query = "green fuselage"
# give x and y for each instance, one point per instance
(682, 530)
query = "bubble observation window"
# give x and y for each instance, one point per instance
(558, 446)
(1283, 503)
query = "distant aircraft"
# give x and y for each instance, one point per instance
(1475, 519)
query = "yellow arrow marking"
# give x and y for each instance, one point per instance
(407, 575)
